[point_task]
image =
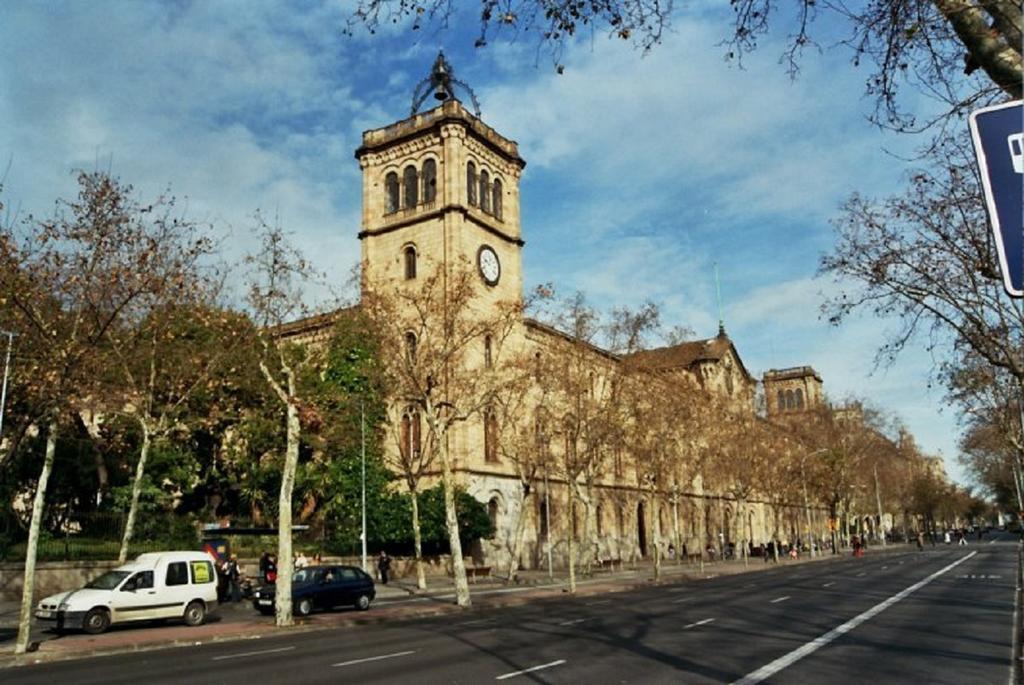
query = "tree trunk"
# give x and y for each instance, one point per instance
(517, 541)
(417, 541)
(25, 617)
(1001, 61)
(140, 469)
(284, 509)
(572, 540)
(452, 523)
(656, 521)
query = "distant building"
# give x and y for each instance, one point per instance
(796, 389)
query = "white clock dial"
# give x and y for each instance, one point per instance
(490, 267)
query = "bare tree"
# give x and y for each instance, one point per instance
(275, 298)
(432, 336)
(65, 283)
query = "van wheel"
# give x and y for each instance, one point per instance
(195, 614)
(304, 607)
(363, 602)
(96, 621)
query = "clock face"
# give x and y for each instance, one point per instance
(490, 267)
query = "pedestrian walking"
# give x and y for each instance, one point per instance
(383, 566)
(671, 551)
(301, 561)
(920, 541)
(946, 538)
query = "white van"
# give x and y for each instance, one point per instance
(155, 585)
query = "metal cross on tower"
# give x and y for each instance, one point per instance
(442, 82)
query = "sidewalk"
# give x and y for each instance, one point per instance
(398, 600)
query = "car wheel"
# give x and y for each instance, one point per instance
(195, 614)
(363, 602)
(96, 621)
(304, 607)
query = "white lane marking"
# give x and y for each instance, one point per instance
(374, 658)
(750, 585)
(861, 574)
(829, 583)
(677, 589)
(262, 651)
(684, 599)
(473, 623)
(884, 567)
(780, 599)
(698, 623)
(573, 622)
(991, 541)
(598, 602)
(530, 670)
(768, 670)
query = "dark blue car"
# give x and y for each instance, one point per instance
(321, 587)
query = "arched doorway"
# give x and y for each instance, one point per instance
(641, 529)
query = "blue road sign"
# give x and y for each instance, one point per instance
(999, 144)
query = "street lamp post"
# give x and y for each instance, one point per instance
(362, 451)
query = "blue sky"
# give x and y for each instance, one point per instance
(642, 171)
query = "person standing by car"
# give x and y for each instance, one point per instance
(383, 566)
(264, 564)
(232, 572)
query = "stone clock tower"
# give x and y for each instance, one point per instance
(441, 189)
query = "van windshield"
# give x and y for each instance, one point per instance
(108, 581)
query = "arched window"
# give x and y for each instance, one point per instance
(799, 398)
(488, 355)
(493, 507)
(471, 182)
(790, 400)
(410, 179)
(620, 515)
(781, 401)
(496, 198)
(543, 505)
(490, 436)
(410, 434)
(391, 187)
(410, 262)
(410, 347)
(599, 515)
(429, 180)
(536, 364)
(485, 191)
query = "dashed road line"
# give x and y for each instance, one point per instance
(698, 623)
(779, 599)
(829, 583)
(768, 670)
(513, 674)
(599, 602)
(256, 653)
(573, 622)
(684, 599)
(861, 574)
(473, 623)
(353, 662)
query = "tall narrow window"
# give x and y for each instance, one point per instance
(410, 347)
(790, 400)
(471, 183)
(391, 187)
(599, 515)
(493, 507)
(490, 437)
(485, 191)
(543, 517)
(799, 398)
(410, 434)
(410, 179)
(488, 359)
(496, 198)
(780, 403)
(410, 262)
(429, 180)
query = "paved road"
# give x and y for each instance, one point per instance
(939, 616)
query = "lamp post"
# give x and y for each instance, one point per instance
(362, 451)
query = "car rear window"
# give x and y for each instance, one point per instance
(202, 572)
(177, 574)
(349, 574)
